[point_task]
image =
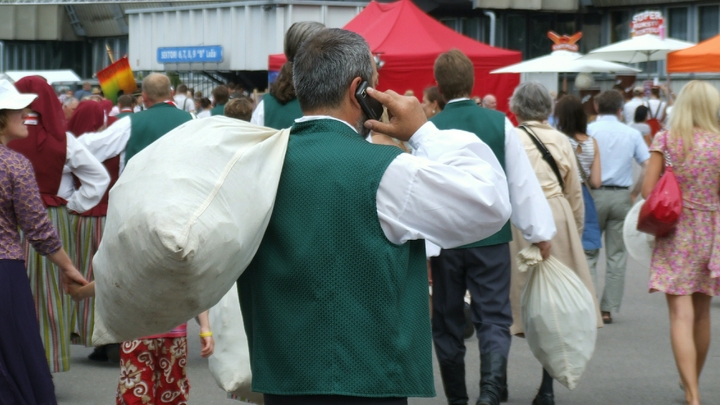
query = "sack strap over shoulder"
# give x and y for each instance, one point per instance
(546, 155)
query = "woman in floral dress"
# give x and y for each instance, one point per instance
(686, 263)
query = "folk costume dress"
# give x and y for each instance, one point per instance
(24, 374)
(56, 157)
(90, 117)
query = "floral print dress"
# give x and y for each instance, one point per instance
(687, 260)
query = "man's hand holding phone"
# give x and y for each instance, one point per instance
(406, 114)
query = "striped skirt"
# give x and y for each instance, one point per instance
(53, 306)
(87, 240)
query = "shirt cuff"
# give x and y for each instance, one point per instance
(421, 134)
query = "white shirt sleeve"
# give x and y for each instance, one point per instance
(94, 179)
(109, 143)
(258, 116)
(452, 192)
(531, 213)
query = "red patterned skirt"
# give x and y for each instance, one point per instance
(152, 371)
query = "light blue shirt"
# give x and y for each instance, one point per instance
(618, 145)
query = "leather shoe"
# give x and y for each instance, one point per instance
(544, 399)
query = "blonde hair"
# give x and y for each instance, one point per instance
(697, 107)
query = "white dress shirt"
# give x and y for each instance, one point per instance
(629, 109)
(109, 143)
(430, 195)
(184, 103)
(531, 212)
(618, 145)
(258, 116)
(94, 179)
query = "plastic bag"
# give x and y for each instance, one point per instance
(184, 220)
(230, 363)
(559, 317)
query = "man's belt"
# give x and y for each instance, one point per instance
(614, 188)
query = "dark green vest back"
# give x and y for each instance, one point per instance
(489, 126)
(278, 115)
(122, 115)
(218, 110)
(330, 306)
(149, 125)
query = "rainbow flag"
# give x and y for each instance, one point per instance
(116, 77)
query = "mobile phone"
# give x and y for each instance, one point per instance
(370, 106)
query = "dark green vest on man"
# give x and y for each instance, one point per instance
(218, 110)
(330, 306)
(489, 126)
(123, 115)
(149, 125)
(278, 115)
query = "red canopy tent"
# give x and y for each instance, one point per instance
(409, 41)
(703, 57)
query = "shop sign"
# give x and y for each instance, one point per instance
(648, 22)
(190, 54)
(564, 42)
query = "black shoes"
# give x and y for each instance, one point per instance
(453, 378)
(492, 378)
(106, 353)
(544, 399)
(99, 354)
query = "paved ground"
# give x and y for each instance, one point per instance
(632, 365)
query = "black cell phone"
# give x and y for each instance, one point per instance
(370, 106)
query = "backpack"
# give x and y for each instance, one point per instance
(653, 122)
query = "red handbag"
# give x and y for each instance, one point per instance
(660, 213)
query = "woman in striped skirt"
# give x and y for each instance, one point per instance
(55, 158)
(89, 117)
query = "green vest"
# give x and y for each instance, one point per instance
(218, 110)
(330, 306)
(149, 125)
(121, 115)
(489, 126)
(278, 115)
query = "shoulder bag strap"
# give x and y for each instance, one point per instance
(546, 155)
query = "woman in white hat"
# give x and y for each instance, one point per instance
(24, 374)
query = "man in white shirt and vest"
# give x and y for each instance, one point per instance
(483, 266)
(335, 300)
(618, 145)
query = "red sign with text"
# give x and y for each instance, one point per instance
(564, 43)
(648, 22)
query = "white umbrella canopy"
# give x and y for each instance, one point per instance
(643, 48)
(564, 62)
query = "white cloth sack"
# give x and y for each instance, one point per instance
(184, 220)
(230, 363)
(638, 244)
(558, 316)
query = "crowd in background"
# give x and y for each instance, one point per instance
(569, 176)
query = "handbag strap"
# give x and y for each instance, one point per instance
(583, 175)
(666, 153)
(546, 155)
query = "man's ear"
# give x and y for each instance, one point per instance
(353, 89)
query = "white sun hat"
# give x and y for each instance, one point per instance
(11, 99)
(638, 244)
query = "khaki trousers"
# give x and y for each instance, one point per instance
(612, 207)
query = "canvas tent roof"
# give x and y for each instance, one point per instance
(703, 57)
(409, 41)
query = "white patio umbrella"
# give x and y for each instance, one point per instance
(643, 48)
(564, 62)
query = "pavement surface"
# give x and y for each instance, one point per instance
(632, 364)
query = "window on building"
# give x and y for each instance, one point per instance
(620, 21)
(592, 32)
(709, 22)
(538, 42)
(471, 28)
(516, 33)
(678, 23)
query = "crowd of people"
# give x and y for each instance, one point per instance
(447, 188)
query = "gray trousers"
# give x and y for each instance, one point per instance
(612, 207)
(485, 272)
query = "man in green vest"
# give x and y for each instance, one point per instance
(335, 300)
(482, 267)
(125, 105)
(221, 95)
(134, 132)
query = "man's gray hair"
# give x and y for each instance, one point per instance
(531, 101)
(69, 101)
(325, 66)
